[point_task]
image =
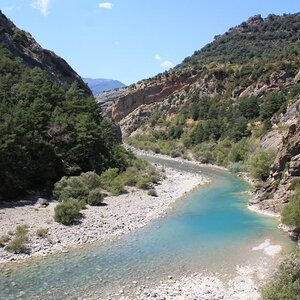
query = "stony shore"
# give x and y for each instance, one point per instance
(119, 215)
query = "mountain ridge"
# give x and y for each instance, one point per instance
(23, 45)
(99, 85)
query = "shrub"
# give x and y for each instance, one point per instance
(285, 283)
(116, 187)
(107, 177)
(152, 193)
(143, 183)
(18, 244)
(295, 183)
(290, 214)
(42, 232)
(236, 167)
(95, 197)
(91, 180)
(259, 163)
(67, 212)
(77, 188)
(71, 187)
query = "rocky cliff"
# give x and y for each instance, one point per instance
(276, 190)
(22, 44)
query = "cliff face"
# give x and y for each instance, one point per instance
(276, 190)
(22, 44)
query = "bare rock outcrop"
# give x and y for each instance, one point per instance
(23, 45)
(276, 190)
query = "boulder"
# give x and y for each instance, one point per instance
(42, 202)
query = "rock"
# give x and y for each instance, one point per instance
(42, 202)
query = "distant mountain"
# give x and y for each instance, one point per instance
(100, 85)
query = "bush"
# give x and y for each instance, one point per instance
(259, 163)
(116, 187)
(290, 214)
(236, 167)
(77, 188)
(90, 180)
(285, 283)
(95, 197)
(71, 187)
(152, 193)
(18, 244)
(42, 232)
(143, 183)
(67, 212)
(107, 177)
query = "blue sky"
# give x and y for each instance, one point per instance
(129, 40)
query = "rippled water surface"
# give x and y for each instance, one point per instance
(209, 231)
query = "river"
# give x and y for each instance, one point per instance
(210, 230)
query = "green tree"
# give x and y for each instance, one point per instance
(260, 162)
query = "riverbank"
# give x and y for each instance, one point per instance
(118, 216)
(242, 285)
(244, 175)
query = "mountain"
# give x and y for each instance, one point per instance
(51, 126)
(235, 103)
(100, 85)
(21, 44)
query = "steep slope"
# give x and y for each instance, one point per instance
(253, 58)
(101, 85)
(235, 102)
(50, 125)
(22, 44)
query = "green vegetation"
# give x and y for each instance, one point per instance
(273, 38)
(285, 283)
(49, 130)
(18, 243)
(42, 232)
(290, 214)
(67, 212)
(152, 192)
(259, 163)
(75, 192)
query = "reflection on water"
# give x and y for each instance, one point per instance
(209, 231)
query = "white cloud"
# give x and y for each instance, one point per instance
(41, 5)
(166, 64)
(105, 5)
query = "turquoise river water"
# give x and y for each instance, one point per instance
(210, 230)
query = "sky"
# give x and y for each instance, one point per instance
(130, 40)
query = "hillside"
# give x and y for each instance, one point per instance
(21, 44)
(101, 85)
(234, 103)
(50, 125)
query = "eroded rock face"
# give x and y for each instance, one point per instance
(146, 93)
(23, 45)
(275, 192)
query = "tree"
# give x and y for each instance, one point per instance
(259, 163)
